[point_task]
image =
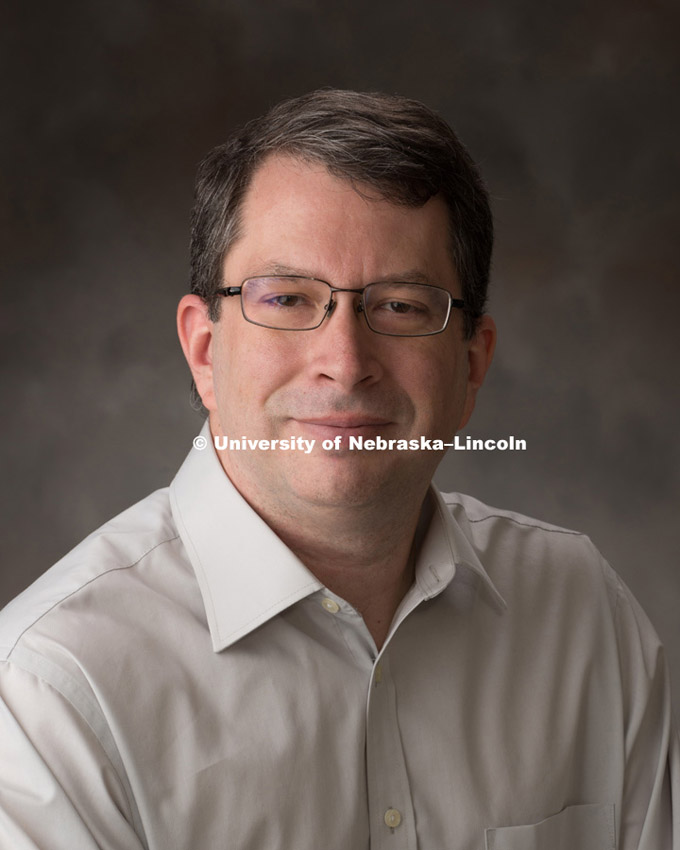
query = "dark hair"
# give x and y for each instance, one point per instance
(391, 144)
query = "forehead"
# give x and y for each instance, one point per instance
(297, 215)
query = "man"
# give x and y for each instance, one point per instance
(302, 644)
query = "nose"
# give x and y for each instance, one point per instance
(345, 349)
(356, 302)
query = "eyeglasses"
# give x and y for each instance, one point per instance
(289, 303)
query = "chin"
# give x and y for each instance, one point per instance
(339, 484)
(336, 498)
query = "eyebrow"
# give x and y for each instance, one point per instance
(408, 276)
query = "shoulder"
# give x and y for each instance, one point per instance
(557, 585)
(482, 521)
(93, 574)
(486, 517)
(526, 556)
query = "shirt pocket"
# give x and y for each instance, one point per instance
(574, 828)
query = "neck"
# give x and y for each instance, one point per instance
(371, 567)
(361, 551)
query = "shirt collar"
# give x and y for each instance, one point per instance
(445, 549)
(247, 575)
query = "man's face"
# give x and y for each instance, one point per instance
(341, 378)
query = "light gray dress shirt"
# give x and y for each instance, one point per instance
(180, 681)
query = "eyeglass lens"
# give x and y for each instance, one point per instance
(288, 303)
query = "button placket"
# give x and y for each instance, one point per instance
(389, 794)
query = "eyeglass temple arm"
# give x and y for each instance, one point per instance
(229, 290)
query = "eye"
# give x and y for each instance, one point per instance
(287, 300)
(399, 307)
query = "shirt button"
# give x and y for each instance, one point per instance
(330, 605)
(392, 818)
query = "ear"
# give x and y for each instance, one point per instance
(196, 337)
(480, 351)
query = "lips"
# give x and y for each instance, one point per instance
(344, 425)
(345, 421)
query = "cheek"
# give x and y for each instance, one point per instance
(430, 374)
(250, 364)
(436, 384)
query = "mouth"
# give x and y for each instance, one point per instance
(344, 425)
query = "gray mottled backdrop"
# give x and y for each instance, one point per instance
(571, 110)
